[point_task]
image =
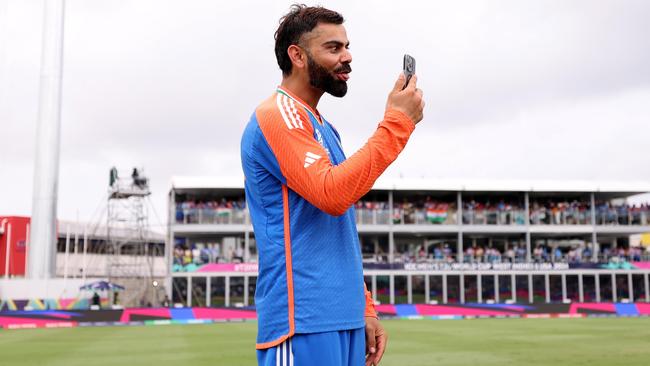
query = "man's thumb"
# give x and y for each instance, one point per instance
(399, 84)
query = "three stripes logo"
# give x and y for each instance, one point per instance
(310, 159)
(289, 112)
(292, 119)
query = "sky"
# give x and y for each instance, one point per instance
(527, 90)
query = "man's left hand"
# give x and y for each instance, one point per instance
(376, 339)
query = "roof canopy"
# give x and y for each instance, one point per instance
(185, 184)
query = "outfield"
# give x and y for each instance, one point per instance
(556, 342)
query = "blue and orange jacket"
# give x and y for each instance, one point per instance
(300, 189)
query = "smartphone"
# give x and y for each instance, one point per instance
(409, 69)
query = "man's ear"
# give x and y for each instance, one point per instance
(297, 56)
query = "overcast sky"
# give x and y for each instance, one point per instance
(514, 89)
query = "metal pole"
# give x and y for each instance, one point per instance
(67, 252)
(427, 289)
(208, 291)
(563, 277)
(374, 288)
(189, 292)
(444, 288)
(169, 243)
(391, 246)
(391, 288)
(581, 288)
(409, 289)
(459, 244)
(614, 290)
(76, 248)
(479, 289)
(247, 238)
(83, 258)
(245, 290)
(391, 237)
(391, 208)
(647, 287)
(227, 290)
(7, 251)
(461, 281)
(46, 167)
(547, 285)
(459, 211)
(630, 287)
(459, 248)
(497, 295)
(531, 298)
(528, 241)
(513, 287)
(597, 283)
(595, 248)
(247, 244)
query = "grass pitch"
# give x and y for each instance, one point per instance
(556, 342)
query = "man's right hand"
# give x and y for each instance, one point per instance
(408, 101)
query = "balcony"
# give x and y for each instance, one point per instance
(442, 216)
(494, 217)
(560, 217)
(212, 216)
(623, 216)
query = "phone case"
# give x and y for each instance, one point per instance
(409, 69)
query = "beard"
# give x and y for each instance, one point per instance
(322, 79)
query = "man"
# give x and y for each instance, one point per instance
(311, 301)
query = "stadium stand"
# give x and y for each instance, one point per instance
(426, 241)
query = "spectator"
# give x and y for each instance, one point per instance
(239, 254)
(96, 299)
(557, 257)
(479, 252)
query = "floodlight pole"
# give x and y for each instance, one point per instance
(41, 256)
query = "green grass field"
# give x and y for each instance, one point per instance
(556, 342)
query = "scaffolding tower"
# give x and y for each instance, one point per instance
(130, 260)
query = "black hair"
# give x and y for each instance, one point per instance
(301, 19)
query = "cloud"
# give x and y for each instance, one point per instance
(528, 90)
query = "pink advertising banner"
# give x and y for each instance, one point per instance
(229, 267)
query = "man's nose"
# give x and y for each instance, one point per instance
(346, 57)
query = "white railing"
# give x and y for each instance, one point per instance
(494, 217)
(418, 216)
(452, 286)
(227, 216)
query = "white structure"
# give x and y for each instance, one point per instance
(46, 168)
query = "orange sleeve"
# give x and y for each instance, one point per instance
(370, 304)
(305, 164)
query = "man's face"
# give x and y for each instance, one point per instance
(328, 59)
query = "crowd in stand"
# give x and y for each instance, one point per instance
(514, 253)
(630, 254)
(579, 213)
(407, 212)
(423, 211)
(371, 205)
(608, 214)
(199, 254)
(503, 212)
(580, 253)
(489, 213)
(210, 211)
(444, 212)
(560, 213)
